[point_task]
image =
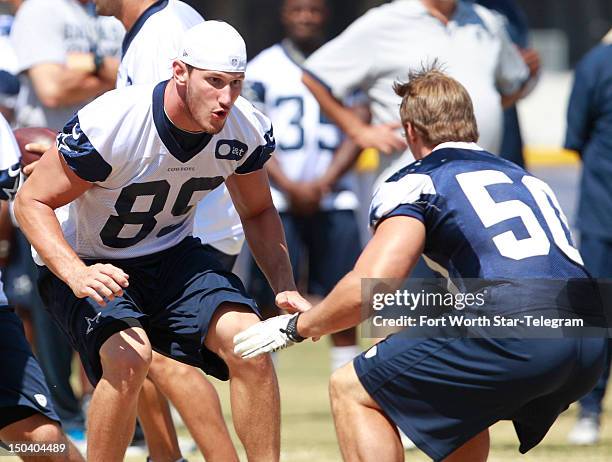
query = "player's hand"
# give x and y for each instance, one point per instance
(266, 336)
(100, 282)
(305, 197)
(532, 60)
(383, 137)
(292, 302)
(35, 148)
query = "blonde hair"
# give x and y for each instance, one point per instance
(438, 107)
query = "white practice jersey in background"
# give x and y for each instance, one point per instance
(306, 140)
(9, 167)
(152, 43)
(144, 184)
(149, 48)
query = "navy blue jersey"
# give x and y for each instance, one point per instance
(485, 217)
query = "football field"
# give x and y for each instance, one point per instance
(308, 432)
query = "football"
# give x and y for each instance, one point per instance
(44, 136)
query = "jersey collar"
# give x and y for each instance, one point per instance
(131, 34)
(163, 129)
(458, 145)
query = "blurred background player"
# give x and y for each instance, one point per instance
(61, 69)
(589, 124)
(387, 41)
(27, 413)
(147, 57)
(9, 82)
(518, 30)
(314, 196)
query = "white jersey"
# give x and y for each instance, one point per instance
(306, 141)
(145, 185)
(9, 173)
(387, 42)
(147, 58)
(152, 43)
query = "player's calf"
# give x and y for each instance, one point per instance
(125, 359)
(254, 388)
(364, 432)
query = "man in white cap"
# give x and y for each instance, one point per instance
(123, 274)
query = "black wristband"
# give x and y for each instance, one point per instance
(292, 332)
(98, 63)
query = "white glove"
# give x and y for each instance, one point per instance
(267, 336)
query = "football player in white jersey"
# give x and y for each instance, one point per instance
(314, 196)
(147, 58)
(27, 414)
(124, 274)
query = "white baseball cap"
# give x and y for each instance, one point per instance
(214, 46)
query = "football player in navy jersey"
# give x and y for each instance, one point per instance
(473, 215)
(123, 274)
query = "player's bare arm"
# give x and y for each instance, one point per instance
(50, 186)
(391, 253)
(57, 85)
(345, 155)
(264, 233)
(304, 196)
(382, 137)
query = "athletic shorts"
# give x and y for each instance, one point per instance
(224, 259)
(172, 294)
(326, 243)
(443, 392)
(23, 390)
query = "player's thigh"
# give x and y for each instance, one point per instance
(196, 292)
(344, 385)
(334, 248)
(229, 319)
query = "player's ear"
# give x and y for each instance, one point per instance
(410, 132)
(180, 72)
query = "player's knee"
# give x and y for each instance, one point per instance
(342, 385)
(45, 433)
(260, 366)
(164, 369)
(126, 356)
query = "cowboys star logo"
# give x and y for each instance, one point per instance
(91, 322)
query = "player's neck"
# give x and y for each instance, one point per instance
(131, 11)
(441, 9)
(300, 50)
(177, 111)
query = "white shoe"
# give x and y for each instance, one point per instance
(406, 442)
(585, 432)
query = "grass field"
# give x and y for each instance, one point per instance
(308, 432)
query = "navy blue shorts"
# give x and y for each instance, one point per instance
(225, 260)
(443, 392)
(173, 295)
(22, 383)
(327, 244)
